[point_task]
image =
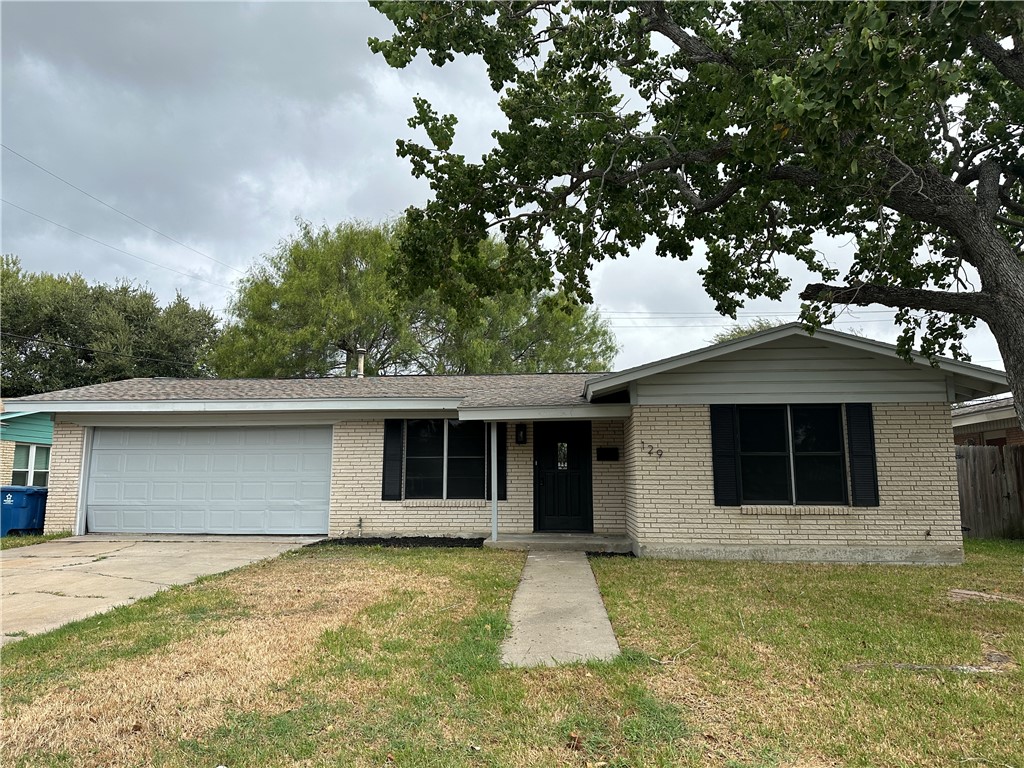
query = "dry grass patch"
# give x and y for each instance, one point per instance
(118, 714)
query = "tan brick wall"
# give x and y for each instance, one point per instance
(65, 473)
(6, 462)
(609, 479)
(357, 509)
(671, 510)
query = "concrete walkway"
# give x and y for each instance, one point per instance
(48, 585)
(557, 614)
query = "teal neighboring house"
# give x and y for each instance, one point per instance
(25, 440)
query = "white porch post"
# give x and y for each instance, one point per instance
(494, 481)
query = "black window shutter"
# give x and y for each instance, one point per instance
(860, 437)
(723, 456)
(502, 463)
(393, 437)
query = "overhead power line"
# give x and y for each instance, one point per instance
(51, 342)
(114, 247)
(640, 314)
(118, 210)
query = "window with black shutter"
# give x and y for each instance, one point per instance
(438, 459)
(793, 454)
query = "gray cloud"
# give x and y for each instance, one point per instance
(219, 123)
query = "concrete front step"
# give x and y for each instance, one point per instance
(562, 542)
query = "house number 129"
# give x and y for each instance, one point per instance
(650, 450)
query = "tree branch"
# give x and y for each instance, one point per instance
(658, 19)
(988, 189)
(1009, 63)
(975, 304)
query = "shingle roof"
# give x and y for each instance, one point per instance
(990, 404)
(541, 389)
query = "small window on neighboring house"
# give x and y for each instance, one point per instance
(31, 465)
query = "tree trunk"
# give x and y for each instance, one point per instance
(1008, 329)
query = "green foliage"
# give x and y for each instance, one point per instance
(746, 128)
(739, 330)
(60, 332)
(305, 309)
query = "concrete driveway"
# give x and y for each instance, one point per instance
(48, 585)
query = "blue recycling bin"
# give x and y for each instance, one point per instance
(22, 509)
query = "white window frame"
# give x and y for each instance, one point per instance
(30, 470)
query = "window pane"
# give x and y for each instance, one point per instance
(819, 479)
(465, 478)
(763, 429)
(423, 478)
(425, 437)
(765, 478)
(465, 438)
(42, 457)
(19, 477)
(817, 429)
(563, 456)
(40, 478)
(21, 457)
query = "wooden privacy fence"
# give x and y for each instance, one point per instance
(991, 482)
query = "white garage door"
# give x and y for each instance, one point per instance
(218, 480)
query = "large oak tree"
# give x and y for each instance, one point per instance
(304, 310)
(747, 127)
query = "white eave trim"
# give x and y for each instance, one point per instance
(250, 406)
(546, 413)
(990, 380)
(984, 417)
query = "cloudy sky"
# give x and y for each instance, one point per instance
(217, 124)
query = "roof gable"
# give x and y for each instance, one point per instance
(786, 364)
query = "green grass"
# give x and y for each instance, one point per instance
(11, 542)
(730, 664)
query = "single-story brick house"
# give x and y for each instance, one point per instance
(989, 422)
(776, 446)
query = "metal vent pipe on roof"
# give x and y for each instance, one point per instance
(360, 359)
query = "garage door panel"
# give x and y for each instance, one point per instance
(284, 462)
(195, 463)
(105, 491)
(316, 463)
(167, 462)
(106, 462)
(230, 480)
(255, 462)
(194, 491)
(254, 491)
(313, 490)
(166, 491)
(225, 462)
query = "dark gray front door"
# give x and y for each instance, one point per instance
(562, 493)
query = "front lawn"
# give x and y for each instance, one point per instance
(371, 657)
(12, 542)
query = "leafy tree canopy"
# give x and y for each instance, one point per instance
(305, 309)
(746, 127)
(59, 332)
(739, 330)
